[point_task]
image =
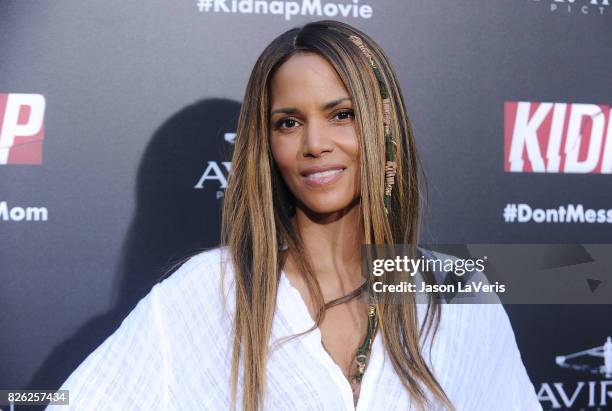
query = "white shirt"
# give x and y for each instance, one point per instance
(173, 351)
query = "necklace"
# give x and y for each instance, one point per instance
(364, 350)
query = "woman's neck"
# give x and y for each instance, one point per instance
(333, 245)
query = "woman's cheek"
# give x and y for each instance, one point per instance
(288, 175)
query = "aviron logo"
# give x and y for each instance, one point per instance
(604, 352)
(288, 9)
(21, 128)
(216, 171)
(557, 138)
(598, 7)
(591, 394)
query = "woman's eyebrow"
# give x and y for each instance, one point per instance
(326, 106)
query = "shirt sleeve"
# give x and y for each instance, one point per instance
(481, 336)
(510, 386)
(129, 369)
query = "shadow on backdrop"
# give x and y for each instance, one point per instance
(172, 220)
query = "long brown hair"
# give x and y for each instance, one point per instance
(258, 206)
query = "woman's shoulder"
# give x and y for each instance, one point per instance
(202, 283)
(201, 271)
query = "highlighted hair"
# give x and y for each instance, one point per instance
(258, 206)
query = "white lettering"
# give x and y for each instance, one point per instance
(213, 172)
(525, 136)
(575, 136)
(11, 127)
(21, 213)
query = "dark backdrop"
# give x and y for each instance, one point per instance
(125, 172)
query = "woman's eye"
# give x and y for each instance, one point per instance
(345, 114)
(290, 121)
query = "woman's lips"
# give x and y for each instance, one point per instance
(324, 177)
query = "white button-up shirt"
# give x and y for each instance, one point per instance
(173, 351)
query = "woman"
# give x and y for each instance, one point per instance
(324, 162)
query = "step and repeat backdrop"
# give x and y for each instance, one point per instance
(117, 119)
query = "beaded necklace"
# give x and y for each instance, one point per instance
(365, 348)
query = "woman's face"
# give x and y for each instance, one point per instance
(313, 137)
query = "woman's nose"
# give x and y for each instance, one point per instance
(317, 139)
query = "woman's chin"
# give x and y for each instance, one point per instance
(328, 207)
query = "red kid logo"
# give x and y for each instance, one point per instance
(557, 138)
(21, 128)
